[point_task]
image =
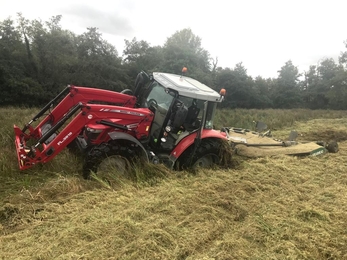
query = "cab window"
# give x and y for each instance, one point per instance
(159, 96)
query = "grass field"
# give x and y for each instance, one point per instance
(267, 208)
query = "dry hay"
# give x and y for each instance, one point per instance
(268, 208)
(329, 134)
(272, 208)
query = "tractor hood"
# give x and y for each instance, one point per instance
(187, 87)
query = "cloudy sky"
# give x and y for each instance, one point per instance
(262, 34)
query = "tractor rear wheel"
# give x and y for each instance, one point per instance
(205, 156)
(114, 159)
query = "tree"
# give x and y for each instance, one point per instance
(262, 90)
(16, 83)
(312, 92)
(139, 55)
(333, 79)
(287, 89)
(326, 85)
(327, 70)
(31, 65)
(98, 62)
(55, 54)
(238, 85)
(38, 58)
(343, 57)
(134, 50)
(183, 49)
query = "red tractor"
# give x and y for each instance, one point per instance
(167, 119)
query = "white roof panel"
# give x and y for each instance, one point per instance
(186, 86)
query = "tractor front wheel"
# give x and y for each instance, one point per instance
(111, 160)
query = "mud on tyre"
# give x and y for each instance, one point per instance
(207, 155)
(124, 153)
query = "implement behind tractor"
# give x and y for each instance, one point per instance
(166, 119)
(257, 144)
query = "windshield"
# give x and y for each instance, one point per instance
(159, 96)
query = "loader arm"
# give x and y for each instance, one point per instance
(135, 122)
(41, 152)
(71, 96)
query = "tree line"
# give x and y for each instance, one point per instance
(38, 59)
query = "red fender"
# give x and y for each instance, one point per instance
(189, 140)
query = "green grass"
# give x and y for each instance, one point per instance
(268, 208)
(274, 118)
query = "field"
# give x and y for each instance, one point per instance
(281, 207)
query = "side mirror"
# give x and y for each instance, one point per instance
(152, 105)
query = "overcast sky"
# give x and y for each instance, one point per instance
(262, 34)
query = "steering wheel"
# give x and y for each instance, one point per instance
(152, 102)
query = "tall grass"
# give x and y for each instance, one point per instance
(274, 118)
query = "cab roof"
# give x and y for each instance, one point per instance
(187, 87)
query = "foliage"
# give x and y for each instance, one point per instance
(38, 59)
(239, 87)
(286, 93)
(183, 49)
(139, 55)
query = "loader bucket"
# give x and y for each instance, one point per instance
(23, 152)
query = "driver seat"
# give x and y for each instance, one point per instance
(190, 121)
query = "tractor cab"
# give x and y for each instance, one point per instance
(181, 106)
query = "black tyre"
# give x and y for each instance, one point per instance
(115, 156)
(206, 155)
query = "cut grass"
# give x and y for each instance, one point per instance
(282, 211)
(268, 208)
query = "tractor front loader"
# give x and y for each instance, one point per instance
(70, 120)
